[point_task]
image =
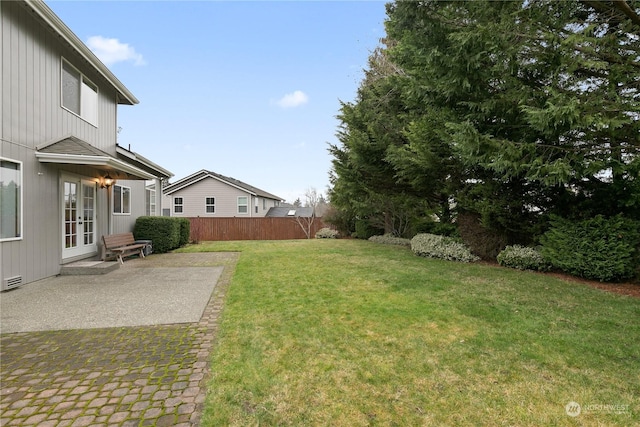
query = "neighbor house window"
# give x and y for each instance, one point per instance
(177, 204)
(10, 200)
(79, 94)
(121, 199)
(210, 205)
(243, 205)
(150, 202)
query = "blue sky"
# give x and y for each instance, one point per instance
(245, 89)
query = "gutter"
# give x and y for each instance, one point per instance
(42, 10)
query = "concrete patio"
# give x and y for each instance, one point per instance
(126, 348)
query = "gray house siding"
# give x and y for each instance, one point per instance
(123, 223)
(194, 190)
(194, 198)
(226, 200)
(31, 100)
(31, 116)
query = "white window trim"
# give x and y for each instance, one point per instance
(206, 205)
(83, 80)
(181, 205)
(244, 204)
(113, 200)
(21, 201)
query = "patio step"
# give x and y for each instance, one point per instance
(79, 268)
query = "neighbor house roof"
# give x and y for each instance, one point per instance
(204, 174)
(50, 18)
(289, 211)
(74, 151)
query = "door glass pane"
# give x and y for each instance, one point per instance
(70, 214)
(88, 201)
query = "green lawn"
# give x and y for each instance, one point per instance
(353, 333)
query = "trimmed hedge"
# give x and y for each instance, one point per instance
(522, 258)
(185, 231)
(599, 248)
(166, 233)
(441, 247)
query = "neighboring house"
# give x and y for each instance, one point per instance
(64, 181)
(208, 194)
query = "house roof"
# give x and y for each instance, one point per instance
(59, 27)
(74, 151)
(142, 162)
(289, 211)
(204, 174)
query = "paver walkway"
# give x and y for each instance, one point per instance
(129, 376)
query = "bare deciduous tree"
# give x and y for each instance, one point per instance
(312, 198)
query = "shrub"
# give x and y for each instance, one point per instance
(164, 232)
(185, 231)
(327, 233)
(389, 239)
(604, 249)
(522, 258)
(442, 247)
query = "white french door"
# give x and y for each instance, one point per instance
(78, 217)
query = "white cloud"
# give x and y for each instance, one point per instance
(111, 51)
(292, 100)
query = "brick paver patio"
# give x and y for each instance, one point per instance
(134, 376)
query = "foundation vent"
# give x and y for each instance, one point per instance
(11, 282)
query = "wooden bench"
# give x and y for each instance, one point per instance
(123, 245)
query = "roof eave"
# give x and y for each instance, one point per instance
(104, 161)
(124, 95)
(161, 172)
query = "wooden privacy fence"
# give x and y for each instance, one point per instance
(203, 229)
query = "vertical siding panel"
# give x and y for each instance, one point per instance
(31, 114)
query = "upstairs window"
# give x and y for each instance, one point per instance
(210, 205)
(121, 200)
(243, 205)
(79, 94)
(10, 200)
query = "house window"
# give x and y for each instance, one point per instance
(210, 205)
(150, 202)
(264, 204)
(121, 200)
(243, 205)
(79, 94)
(10, 200)
(177, 204)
